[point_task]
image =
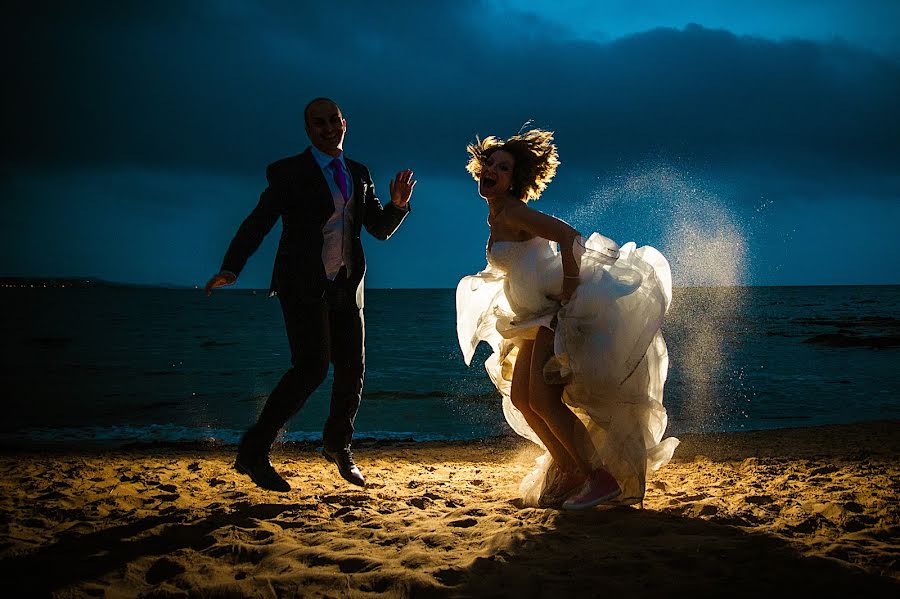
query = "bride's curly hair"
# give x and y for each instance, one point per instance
(535, 157)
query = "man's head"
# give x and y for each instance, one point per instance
(325, 125)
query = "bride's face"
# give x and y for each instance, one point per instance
(496, 174)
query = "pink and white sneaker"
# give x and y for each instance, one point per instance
(600, 487)
(561, 486)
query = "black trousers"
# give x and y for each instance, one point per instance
(323, 331)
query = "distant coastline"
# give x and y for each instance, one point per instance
(98, 283)
(79, 283)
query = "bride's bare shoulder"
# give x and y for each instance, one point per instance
(521, 214)
(514, 212)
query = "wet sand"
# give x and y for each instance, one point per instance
(809, 510)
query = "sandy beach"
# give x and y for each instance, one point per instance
(808, 510)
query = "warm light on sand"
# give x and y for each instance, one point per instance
(755, 513)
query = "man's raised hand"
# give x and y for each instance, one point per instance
(401, 188)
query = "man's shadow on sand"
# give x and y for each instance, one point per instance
(79, 558)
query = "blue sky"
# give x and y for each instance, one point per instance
(753, 143)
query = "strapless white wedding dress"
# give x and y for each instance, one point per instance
(609, 352)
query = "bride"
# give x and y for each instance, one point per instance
(577, 351)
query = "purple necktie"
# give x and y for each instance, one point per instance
(340, 177)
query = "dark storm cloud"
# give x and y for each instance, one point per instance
(220, 86)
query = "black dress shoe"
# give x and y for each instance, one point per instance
(348, 469)
(260, 471)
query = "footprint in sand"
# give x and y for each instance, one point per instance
(419, 502)
(758, 499)
(858, 523)
(261, 534)
(167, 497)
(163, 569)
(346, 499)
(347, 565)
(351, 565)
(347, 514)
(821, 470)
(449, 576)
(238, 553)
(701, 509)
(463, 523)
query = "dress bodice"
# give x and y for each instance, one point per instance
(533, 270)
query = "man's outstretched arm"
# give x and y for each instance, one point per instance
(248, 238)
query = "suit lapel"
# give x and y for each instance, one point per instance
(360, 184)
(359, 189)
(318, 188)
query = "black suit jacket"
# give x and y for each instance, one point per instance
(298, 193)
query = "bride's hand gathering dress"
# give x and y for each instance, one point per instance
(609, 352)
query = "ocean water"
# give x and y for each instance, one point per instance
(113, 365)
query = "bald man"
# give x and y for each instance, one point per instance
(323, 199)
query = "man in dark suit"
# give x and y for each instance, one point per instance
(323, 199)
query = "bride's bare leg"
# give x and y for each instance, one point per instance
(546, 401)
(520, 398)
